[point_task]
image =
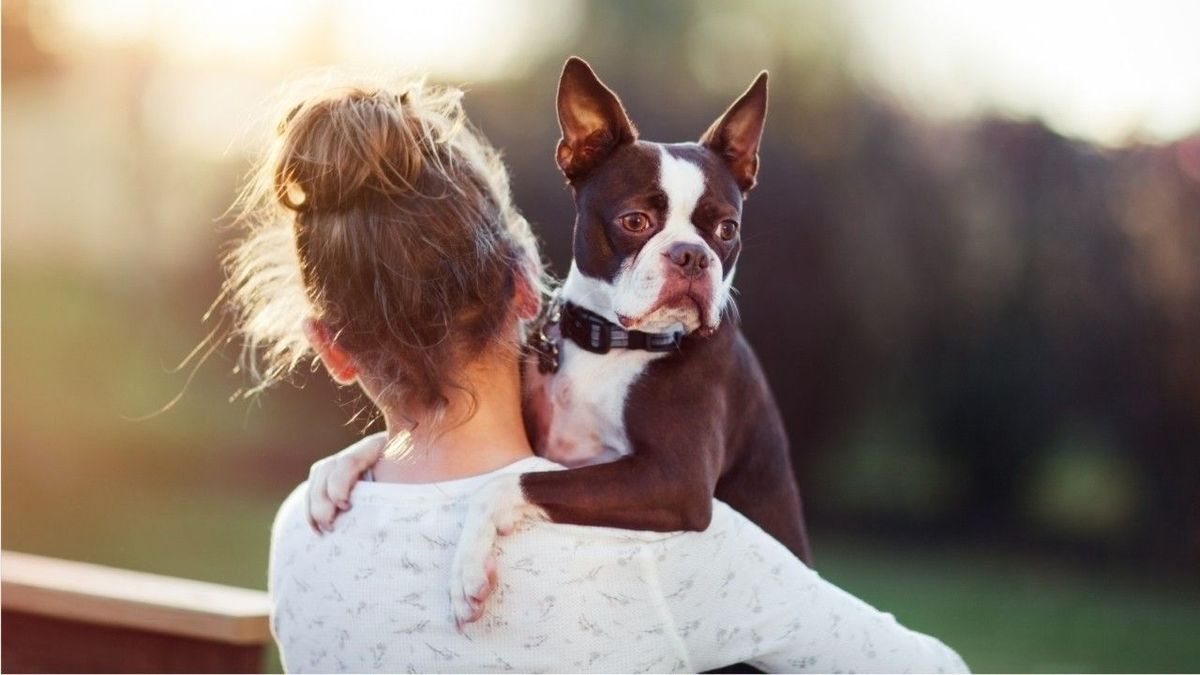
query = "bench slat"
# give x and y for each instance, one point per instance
(107, 596)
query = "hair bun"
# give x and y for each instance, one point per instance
(334, 147)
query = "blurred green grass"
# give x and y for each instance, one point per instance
(1015, 613)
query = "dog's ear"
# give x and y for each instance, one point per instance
(736, 134)
(592, 118)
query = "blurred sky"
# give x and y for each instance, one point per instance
(1106, 71)
(1103, 70)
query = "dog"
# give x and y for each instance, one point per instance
(644, 384)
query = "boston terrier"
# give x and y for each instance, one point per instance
(644, 383)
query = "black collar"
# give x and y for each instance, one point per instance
(598, 335)
(592, 333)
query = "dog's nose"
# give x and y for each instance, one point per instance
(691, 259)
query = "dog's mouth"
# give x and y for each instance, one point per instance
(687, 309)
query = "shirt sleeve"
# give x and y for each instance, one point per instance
(737, 595)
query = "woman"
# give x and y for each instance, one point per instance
(383, 238)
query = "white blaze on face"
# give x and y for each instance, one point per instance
(637, 288)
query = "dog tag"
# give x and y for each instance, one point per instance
(548, 359)
(547, 352)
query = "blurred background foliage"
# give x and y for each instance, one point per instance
(970, 270)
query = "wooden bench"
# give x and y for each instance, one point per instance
(62, 616)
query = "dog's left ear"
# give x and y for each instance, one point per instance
(736, 134)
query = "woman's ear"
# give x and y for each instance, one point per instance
(527, 300)
(339, 364)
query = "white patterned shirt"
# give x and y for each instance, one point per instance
(373, 596)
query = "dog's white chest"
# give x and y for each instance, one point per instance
(585, 402)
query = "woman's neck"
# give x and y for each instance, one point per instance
(492, 437)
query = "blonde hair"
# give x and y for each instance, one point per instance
(383, 213)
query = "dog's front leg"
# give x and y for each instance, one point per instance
(495, 510)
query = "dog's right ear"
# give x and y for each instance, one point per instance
(736, 135)
(592, 118)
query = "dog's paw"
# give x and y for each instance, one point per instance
(469, 595)
(494, 511)
(330, 481)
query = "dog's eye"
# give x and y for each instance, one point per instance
(727, 230)
(635, 222)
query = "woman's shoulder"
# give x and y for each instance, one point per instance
(292, 513)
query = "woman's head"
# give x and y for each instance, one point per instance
(381, 222)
